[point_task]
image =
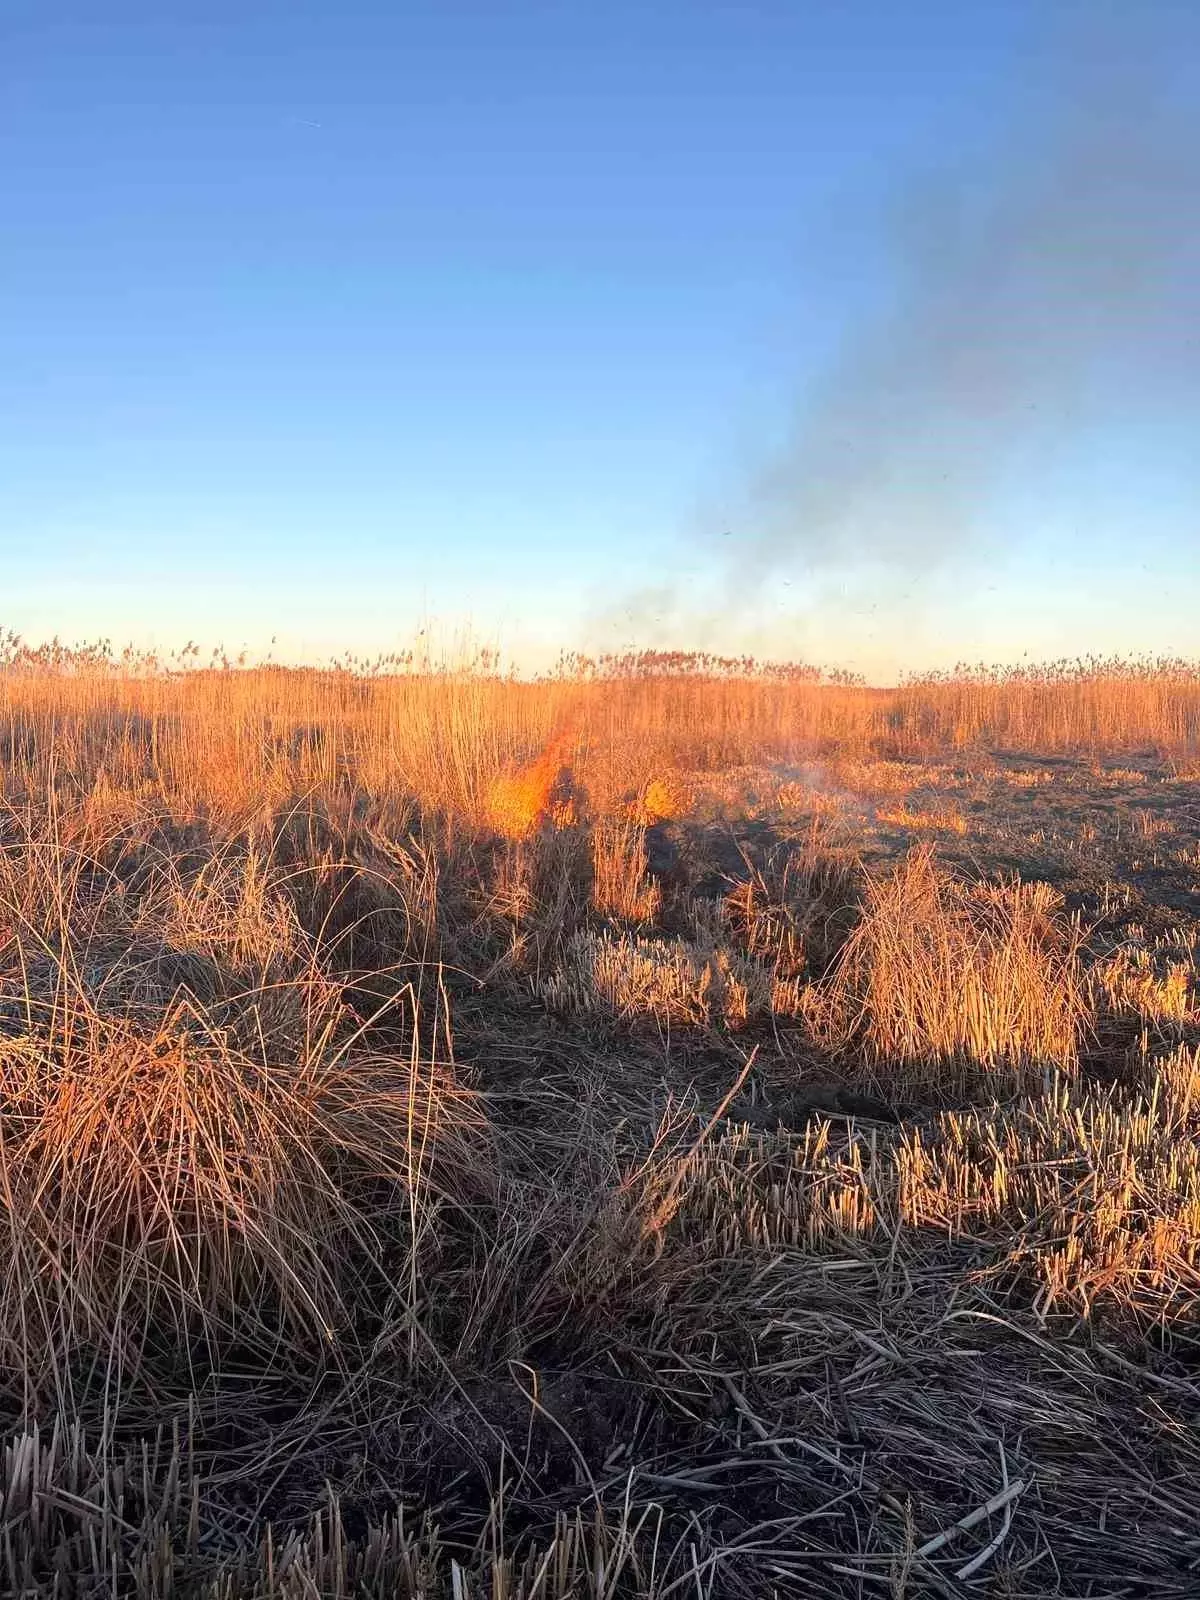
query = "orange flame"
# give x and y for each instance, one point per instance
(544, 793)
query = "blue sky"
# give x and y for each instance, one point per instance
(325, 322)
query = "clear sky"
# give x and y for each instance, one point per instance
(319, 321)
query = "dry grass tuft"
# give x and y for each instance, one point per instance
(199, 1151)
(163, 1190)
(667, 980)
(943, 979)
(621, 885)
(941, 820)
(793, 907)
(1133, 980)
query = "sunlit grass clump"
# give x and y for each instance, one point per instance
(946, 976)
(199, 1151)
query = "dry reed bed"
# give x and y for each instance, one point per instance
(233, 736)
(365, 1096)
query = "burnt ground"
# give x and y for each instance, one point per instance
(1119, 837)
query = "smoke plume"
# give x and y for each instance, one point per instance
(1053, 283)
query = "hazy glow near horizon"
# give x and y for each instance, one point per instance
(749, 329)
